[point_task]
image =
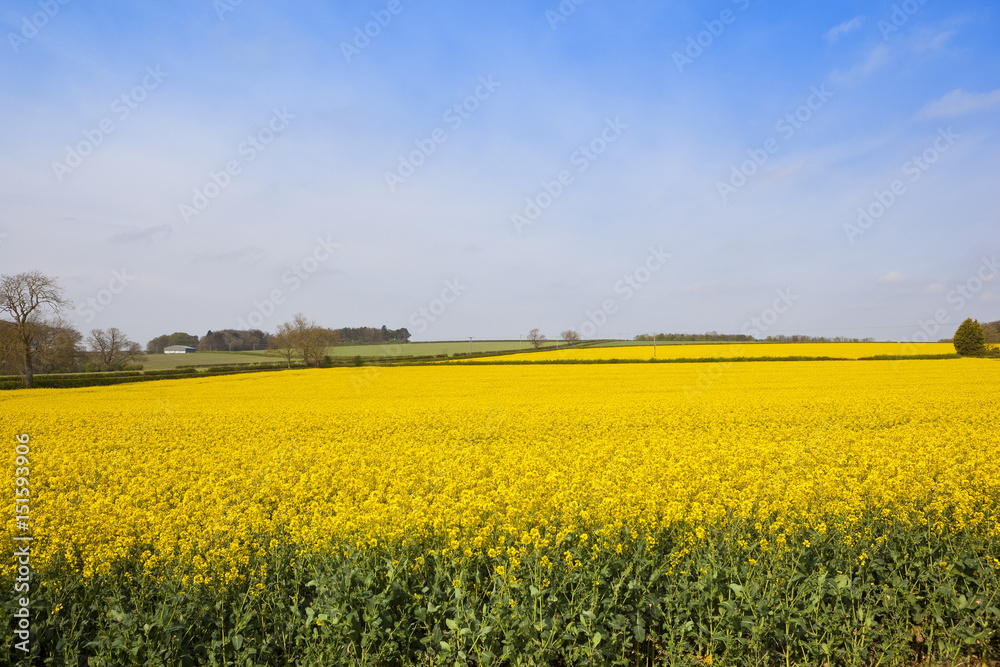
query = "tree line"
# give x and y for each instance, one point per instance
(714, 336)
(247, 340)
(228, 340)
(36, 338)
(368, 335)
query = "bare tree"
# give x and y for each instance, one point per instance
(302, 337)
(10, 348)
(113, 349)
(312, 339)
(58, 346)
(61, 349)
(285, 342)
(991, 330)
(25, 296)
(570, 336)
(536, 338)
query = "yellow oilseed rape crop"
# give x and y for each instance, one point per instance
(531, 472)
(731, 350)
(182, 472)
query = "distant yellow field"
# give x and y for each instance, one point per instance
(727, 351)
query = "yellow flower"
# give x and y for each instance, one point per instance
(205, 482)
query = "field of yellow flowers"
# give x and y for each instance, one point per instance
(734, 350)
(842, 512)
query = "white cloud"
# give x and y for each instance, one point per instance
(892, 277)
(934, 288)
(958, 103)
(876, 58)
(836, 32)
(934, 42)
(933, 39)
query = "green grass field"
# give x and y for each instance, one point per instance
(165, 361)
(157, 362)
(433, 348)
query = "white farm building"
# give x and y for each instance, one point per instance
(178, 349)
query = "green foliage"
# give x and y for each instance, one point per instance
(922, 595)
(970, 339)
(233, 340)
(370, 335)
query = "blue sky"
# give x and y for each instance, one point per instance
(819, 168)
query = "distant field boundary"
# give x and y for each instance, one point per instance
(691, 360)
(68, 380)
(76, 380)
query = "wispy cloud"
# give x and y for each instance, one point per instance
(932, 41)
(877, 57)
(958, 103)
(836, 32)
(892, 277)
(782, 172)
(934, 38)
(149, 234)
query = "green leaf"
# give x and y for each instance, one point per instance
(237, 642)
(597, 638)
(452, 624)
